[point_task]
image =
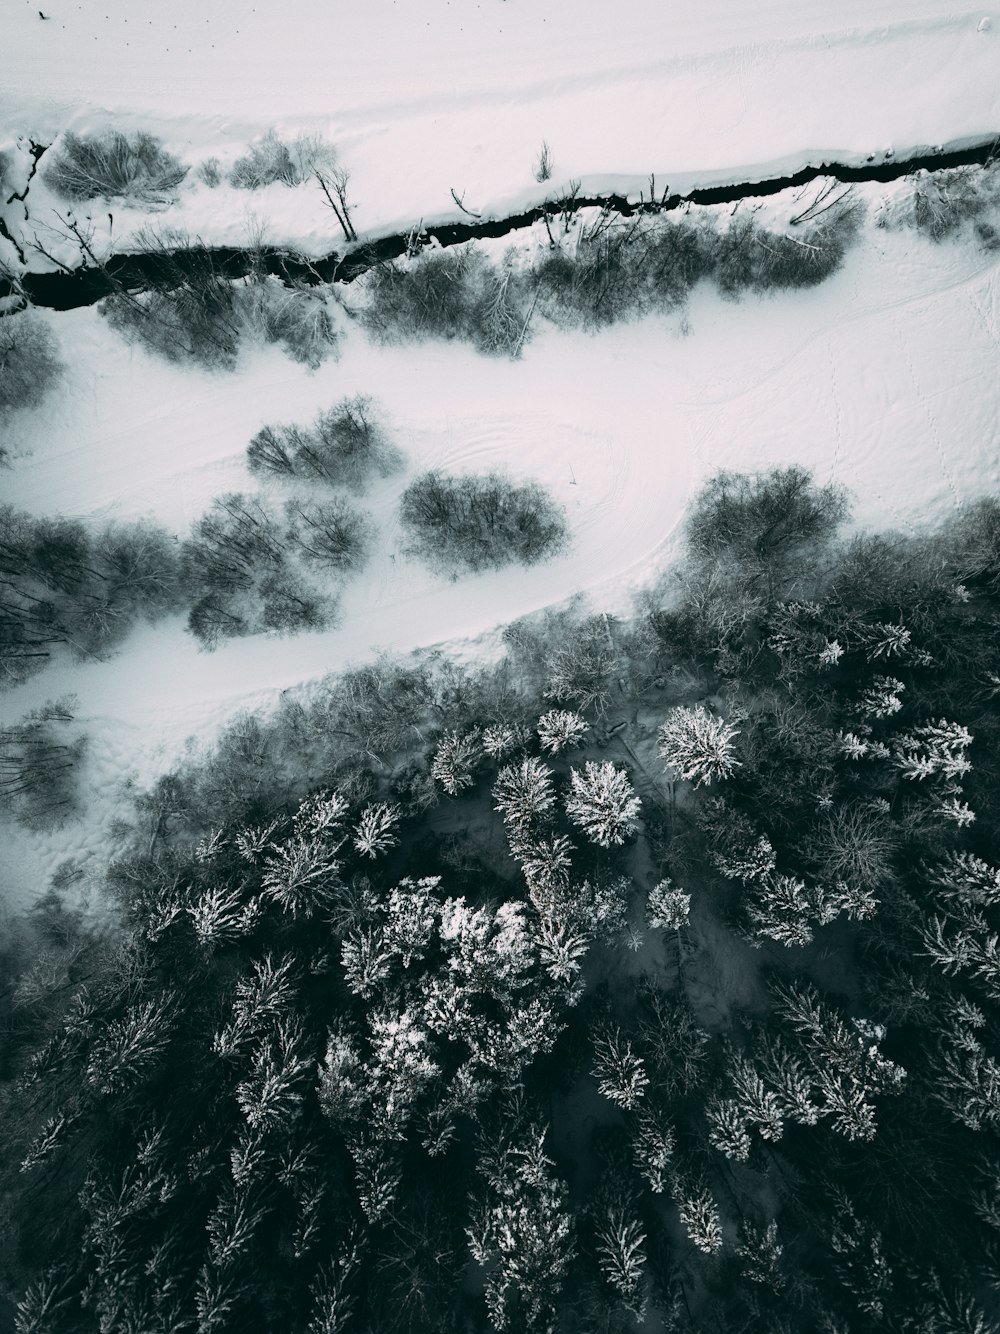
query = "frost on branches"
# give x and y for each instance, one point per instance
(524, 793)
(667, 907)
(697, 745)
(603, 803)
(455, 761)
(620, 1073)
(560, 729)
(375, 830)
(520, 1231)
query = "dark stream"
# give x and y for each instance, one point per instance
(86, 285)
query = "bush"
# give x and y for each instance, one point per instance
(63, 583)
(481, 522)
(210, 172)
(942, 202)
(331, 534)
(756, 516)
(270, 160)
(38, 766)
(113, 165)
(238, 565)
(29, 362)
(195, 312)
(750, 258)
(453, 293)
(346, 446)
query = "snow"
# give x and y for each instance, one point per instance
(883, 379)
(447, 94)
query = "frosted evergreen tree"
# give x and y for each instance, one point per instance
(619, 1071)
(698, 746)
(412, 910)
(455, 760)
(621, 1255)
(700, 1217)
(375, 832)
(760, 1252)
(561, 729)
(653, 1143)
(603, 803)
(728, 1130)
(882, 698)
(668, 908)
(500, 739)
(521, 1233)
(524, 793)
(562, 950)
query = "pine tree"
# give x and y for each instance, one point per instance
(375, 829)
(455, 760)
(621, 1255)
(560, 729)
(667, 907)
(620, 1073)
(697, 746)
(523, 793)
(603, 803)
(700, 1216)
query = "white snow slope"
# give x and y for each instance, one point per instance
(884, 378)
(423, 98)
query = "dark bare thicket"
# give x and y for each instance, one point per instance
(237, 568)
(749, 517)
(941, 203)
(750, 258)
(453, 293)
(272, 161)
(480, 522)
(113, 165)
(29, 363)
(39, 766)
(347, 445)
(330, 533)
(194, 311)
(61, 583)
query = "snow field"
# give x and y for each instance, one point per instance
(423, 99)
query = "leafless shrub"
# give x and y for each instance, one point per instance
(114, 165)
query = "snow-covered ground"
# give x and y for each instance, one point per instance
(884, 378)
(420, 99)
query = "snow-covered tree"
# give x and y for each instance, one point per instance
(653, 1143)
(619, 1071)
(760, 1251)
(603, 803)
(521, 1233)
(668, 908)
(700, 1217)
(620, 1243)
(524, 792)
(375, 832)
(455, 760)
(698, 746)
(560, 729)
(500, 739)
(562, 950)
(882, 699)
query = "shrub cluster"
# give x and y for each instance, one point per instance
(39, 759)
(113, 165)
(347, 445)
(194, 311)
(480, 522)
(29, 363)
(248, 569)
(62, 583)
(271, 161)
